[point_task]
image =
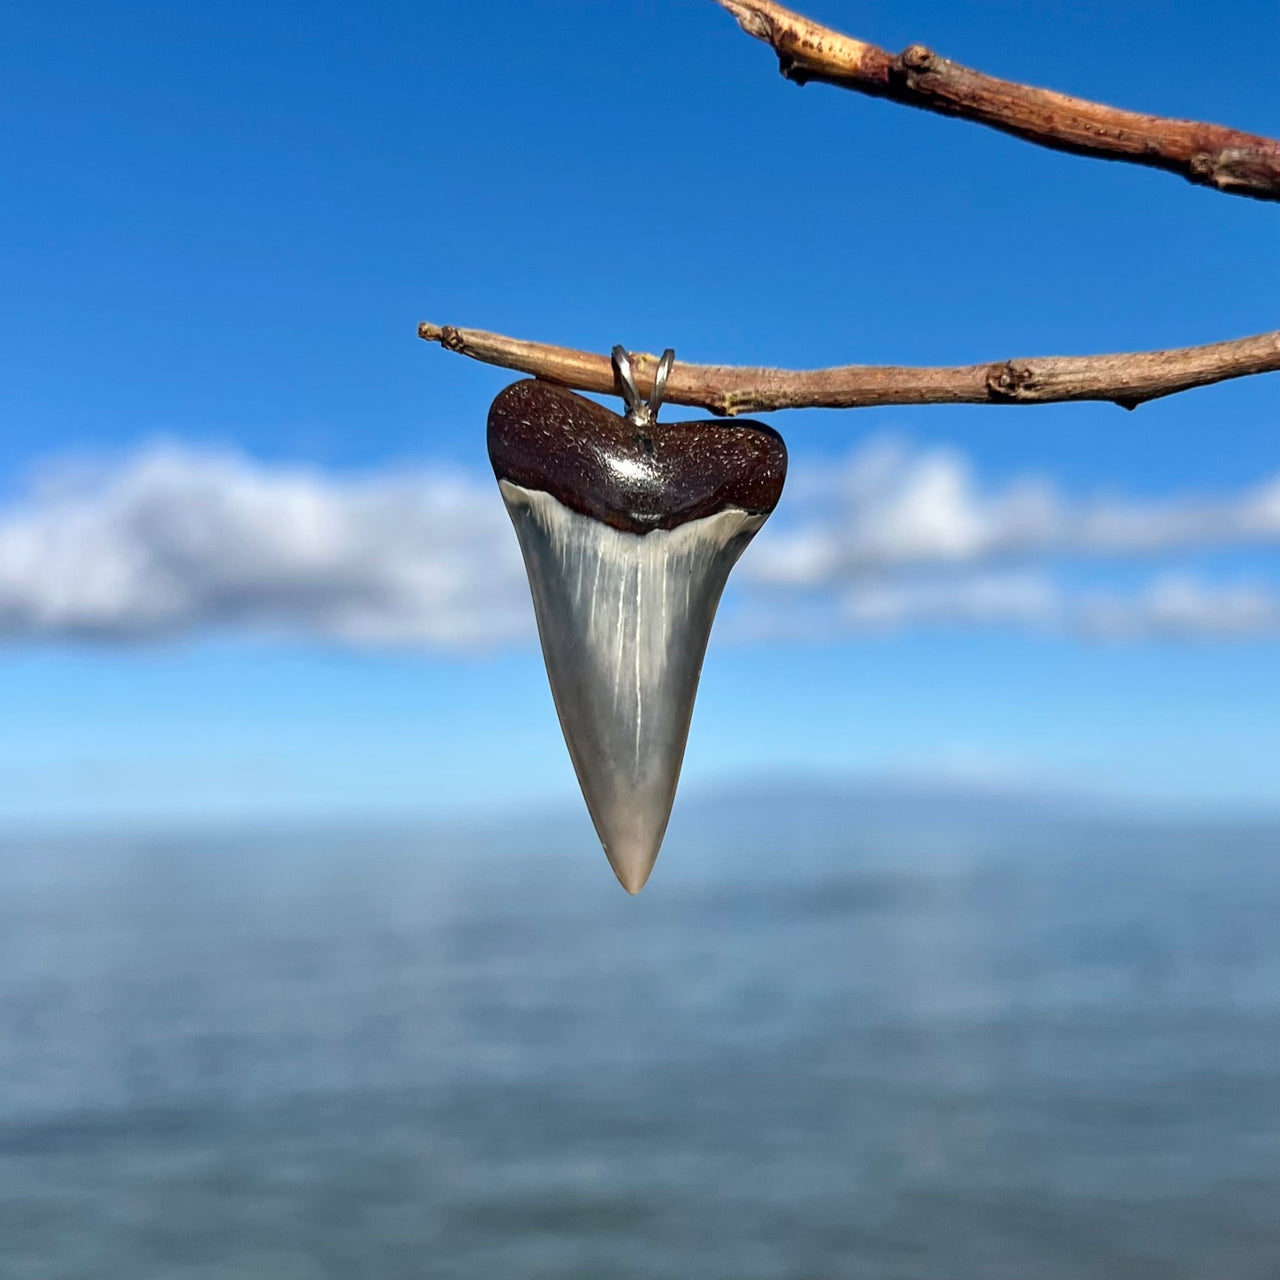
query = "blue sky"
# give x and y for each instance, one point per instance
(222, 224)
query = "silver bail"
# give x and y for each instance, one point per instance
(641, 412)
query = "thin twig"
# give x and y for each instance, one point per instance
(1210, 155)
(1125, 379)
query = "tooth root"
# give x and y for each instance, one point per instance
(624, 620)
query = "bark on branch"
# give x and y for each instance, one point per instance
(1125, 379)
(1207, 154)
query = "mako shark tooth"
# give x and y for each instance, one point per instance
(628, 532)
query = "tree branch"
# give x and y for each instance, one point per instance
(1126, 380)
(1210, 155)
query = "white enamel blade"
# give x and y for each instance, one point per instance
(624, 620)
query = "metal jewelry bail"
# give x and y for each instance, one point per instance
(641, 413)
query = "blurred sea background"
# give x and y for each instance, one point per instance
(845, 1032)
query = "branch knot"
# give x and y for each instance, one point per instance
(451, 339)
(917, 57)
(1010, 381)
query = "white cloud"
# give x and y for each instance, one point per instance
(1177, 605)
(1170, 605)
(896, 538)
(890, 507)
(1002, 599)
(177, 540)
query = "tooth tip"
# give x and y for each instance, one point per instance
(633, 887)
(632, 876)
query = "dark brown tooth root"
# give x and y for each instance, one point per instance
(544, 437)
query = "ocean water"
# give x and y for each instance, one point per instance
(837, 1036)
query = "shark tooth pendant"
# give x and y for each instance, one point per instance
(629, 529)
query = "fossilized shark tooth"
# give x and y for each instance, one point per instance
(628, 531)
